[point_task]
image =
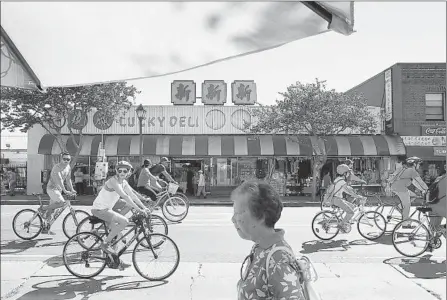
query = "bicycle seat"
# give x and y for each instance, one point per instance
(424, 209)
(95, 220)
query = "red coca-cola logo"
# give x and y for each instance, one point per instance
(435, 131)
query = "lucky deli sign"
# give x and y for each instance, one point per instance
(430, 130)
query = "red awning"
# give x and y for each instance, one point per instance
(231, 145)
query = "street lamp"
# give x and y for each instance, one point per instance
(141, 114)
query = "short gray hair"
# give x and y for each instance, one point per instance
(264, 201)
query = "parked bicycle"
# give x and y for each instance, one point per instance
(33, 222)
(151, 248)
(173, 205)
(413, 237)
(327, 224)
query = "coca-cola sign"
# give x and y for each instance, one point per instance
(433, 130)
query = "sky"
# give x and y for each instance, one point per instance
(386, 33)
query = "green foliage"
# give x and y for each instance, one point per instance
(22, 109)
(311, 109)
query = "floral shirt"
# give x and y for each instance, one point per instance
(282, 282)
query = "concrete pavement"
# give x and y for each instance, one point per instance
(349, 267)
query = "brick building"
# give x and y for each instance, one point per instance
(412, 96)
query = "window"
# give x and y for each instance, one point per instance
(434, 107)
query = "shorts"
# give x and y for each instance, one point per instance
(106, 214)
(147, 192)
(55, 196)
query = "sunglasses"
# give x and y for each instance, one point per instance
(66, 159)
(245, 268)
(125, 171)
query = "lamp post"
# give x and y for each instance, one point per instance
(141, 114)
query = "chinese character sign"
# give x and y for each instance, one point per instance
(244, 92)
(428, 141)
(214, 92)
(183, 92)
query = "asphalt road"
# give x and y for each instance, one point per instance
(349, 266)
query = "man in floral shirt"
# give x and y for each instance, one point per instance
(257, 208)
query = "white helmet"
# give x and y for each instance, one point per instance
(342, 169)
(123, 164)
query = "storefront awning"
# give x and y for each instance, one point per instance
(230, 145)
(426, 153)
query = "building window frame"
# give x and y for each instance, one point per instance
(433, 116)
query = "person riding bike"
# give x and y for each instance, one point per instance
(405, 177)
(341, 186)
(352, 177)
(438, 205)
(158, 170)
(148, 182)
(60, 173)
(115, 188)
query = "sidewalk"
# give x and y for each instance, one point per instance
(292, 201)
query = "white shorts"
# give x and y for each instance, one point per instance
(55, 196)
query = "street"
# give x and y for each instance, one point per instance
(349, 267)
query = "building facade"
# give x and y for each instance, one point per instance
(208, 138)
(412, 96)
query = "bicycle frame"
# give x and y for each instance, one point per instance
(56, 213)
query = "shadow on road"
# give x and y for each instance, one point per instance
(418, 267)
(18, 246)
(385, 239)
(63, 289)
(333, 245)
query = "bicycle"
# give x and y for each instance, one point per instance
(30, 215)
(156, 225)
(413, 231)
(333, 219)
(171, 204)
(92, 257)
(372, 199)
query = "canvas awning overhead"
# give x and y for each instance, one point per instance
(229, 145)
(77, 43)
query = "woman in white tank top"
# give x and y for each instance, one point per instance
(114, 189)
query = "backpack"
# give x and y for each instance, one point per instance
(432, 196)
(330, 192)
(306, 270)
(396, 177)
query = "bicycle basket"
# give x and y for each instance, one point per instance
(172, 188)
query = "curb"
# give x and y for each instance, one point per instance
(191, 203)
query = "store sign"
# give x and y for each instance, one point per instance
(428, 141)
(214, 92)
(243, 92)
(183, 92)
(389, 128)
(431, 130)
(77, 119)
(440, 151)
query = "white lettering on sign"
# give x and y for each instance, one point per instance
(440, 151)
(388, 96)
(429, 141)
(434, 130)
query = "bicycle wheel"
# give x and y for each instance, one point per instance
(175, 209)
(98, 228)
(88, 257)
(71, 222)
(411, 238)
(371, 225)
(325, 222)
(392, 215)
(183, 196)
(167, 257)
(30, 221)
(156, 224)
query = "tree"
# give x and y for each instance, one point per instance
(313, 110)
(22, 109)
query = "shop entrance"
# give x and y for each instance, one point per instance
(186, 172)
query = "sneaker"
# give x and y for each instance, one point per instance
(123, 265)
(48, 231)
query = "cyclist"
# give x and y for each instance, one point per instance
(148, 182)
(352, 177)
(341, 186)
(439, 205)
(407, 176)
(60, 173)
(115, 188)
(160, 169)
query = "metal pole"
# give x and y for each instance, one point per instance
(141, 140)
